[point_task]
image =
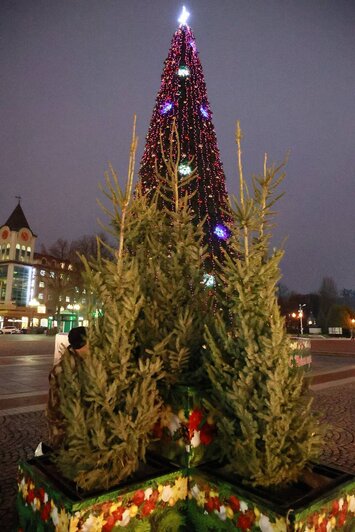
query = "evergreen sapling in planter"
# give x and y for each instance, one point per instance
(267, 430)
(171, 258)
(178, 305)
(112, 402)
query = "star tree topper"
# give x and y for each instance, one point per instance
(184, 16)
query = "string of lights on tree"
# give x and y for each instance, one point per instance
(183, 97)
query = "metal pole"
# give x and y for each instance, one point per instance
(300, 313)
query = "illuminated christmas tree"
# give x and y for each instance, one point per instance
(182, 99)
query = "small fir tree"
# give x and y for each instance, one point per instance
(267, 429)
(109, 399)
(171, 255)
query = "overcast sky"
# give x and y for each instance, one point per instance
(73, 73)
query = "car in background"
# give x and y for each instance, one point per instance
(9, 329)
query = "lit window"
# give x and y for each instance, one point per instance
(42, 273)
(40, 296)
(52, 275)
(41, 284)
(67, 299)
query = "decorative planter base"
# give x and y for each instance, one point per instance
(221, 502)
(154, 500)
(164, 498)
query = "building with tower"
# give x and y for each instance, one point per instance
(29, 294)
(17, 247)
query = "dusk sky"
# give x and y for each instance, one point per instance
(74, 72)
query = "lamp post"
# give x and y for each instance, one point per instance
(33, 304)
(2, 291)
(352, 328)
(300, 315)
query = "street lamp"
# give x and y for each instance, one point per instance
(352, 328)
(33, 304)
(300, 315)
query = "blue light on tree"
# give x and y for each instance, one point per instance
(204, 112)
(193, 46)
(221, 232)
(166, 107)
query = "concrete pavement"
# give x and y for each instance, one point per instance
(25, 362)
(333, 346)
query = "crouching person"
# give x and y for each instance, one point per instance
(76, 350)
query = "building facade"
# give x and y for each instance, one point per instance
(37, 291)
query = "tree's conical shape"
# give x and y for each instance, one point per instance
(182, 99)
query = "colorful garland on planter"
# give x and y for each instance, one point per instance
(225, 511)
(212, 506)
(39, 506)
(330, 516)
(164, 500)
(160, 505)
